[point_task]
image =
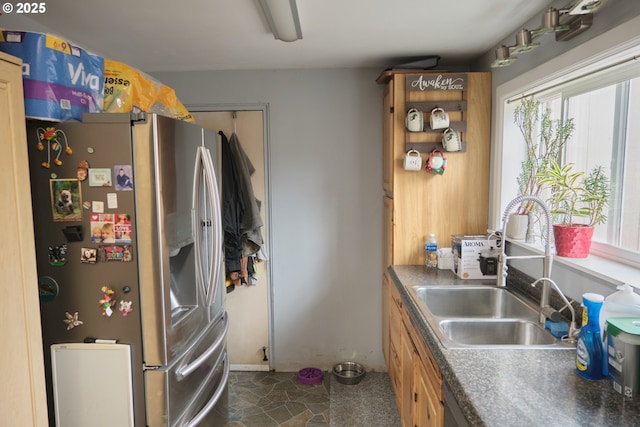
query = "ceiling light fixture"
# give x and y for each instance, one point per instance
(566, 23)
(524, 43)
(550, 23)
(283, 20)
(503, 57)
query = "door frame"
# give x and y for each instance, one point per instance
(264, 108)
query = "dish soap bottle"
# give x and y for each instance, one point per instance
(432, 251)
(623, 303)
(589, 347)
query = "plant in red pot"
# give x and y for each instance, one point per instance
(544, 138)
(578, 200)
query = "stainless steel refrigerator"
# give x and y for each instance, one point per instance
(128, 244)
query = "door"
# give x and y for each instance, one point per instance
(177, 227)
(248, 306)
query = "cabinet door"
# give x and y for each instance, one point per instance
(388, 231)
(387, 138)
(428, 411)
(395, 344)
(407, 357)
(386, 304)
(25, 401)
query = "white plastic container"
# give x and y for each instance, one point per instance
(623, 303)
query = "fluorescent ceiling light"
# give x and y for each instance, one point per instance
(283, 20)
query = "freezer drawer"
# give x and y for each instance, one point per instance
(186, 392)
(92, 385)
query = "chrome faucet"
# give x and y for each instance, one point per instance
(550, 312)
(547, 258)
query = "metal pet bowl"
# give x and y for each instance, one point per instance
(349, 373)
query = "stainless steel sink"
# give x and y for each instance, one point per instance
(496, 332)
(459, 301)
(483, 316)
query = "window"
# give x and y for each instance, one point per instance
(605, 107)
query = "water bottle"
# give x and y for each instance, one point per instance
(589, 347)
(432, 251)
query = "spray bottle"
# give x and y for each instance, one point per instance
(589, 347)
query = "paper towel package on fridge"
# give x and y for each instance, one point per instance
(61, 81)
(466, 256)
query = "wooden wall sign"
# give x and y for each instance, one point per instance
(434, 82)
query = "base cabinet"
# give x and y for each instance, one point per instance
(414, 374)
(428, 411)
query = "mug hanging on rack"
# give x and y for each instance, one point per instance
(412, 161)
(437, 162)
(451, 140)
(414, 120)
(439, 119)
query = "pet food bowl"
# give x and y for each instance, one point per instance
(349, 373)
(310, 376)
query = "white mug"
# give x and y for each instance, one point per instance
(414, 120)
(439, 119)
(412, 161)
(451, 140)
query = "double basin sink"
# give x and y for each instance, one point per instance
(483, 316)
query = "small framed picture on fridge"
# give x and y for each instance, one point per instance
(66, 200)
(100, 177)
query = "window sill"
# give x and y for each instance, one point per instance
(604, 269)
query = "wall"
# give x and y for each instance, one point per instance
(325, 174)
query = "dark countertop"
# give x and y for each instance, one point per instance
(516, 387)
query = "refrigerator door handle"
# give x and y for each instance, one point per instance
(207, 270)
(186, 370)
(216, 227)
(214, 399)
(197, 220)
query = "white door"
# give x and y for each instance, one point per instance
(248, 306)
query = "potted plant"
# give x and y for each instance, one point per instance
(577, 200)
(544, 139)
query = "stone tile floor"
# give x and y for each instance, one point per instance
(265, 399)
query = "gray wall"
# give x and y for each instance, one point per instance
(326, 205)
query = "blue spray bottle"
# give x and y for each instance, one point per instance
(589, 347)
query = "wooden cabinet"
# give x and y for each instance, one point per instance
(395, 341)
(427, 410)
(456, 202)
(407, 357)
(387, 137)
(417, 203)
(414, 374)
(23, 399)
